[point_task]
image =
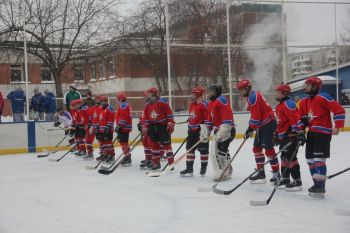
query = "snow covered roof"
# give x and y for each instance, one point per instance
(326, 79)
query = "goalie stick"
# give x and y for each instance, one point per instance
(168, 168)
(266, 202)
(178, 149)
(228, 192)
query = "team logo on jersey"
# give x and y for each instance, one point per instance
(154, 114)
(101, 117)
(95, 116)
(311, 115)
(192, 115)
(212, 114)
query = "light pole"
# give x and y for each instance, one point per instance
(25, 63)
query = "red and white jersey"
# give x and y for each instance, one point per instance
(198, 115)
(219, 112)
(86, 113)
(287, 116)
(261, 112)
(95, 111)
(123, 117)
(319, 109)
(158, 113)
(79, 118)
(106, 119)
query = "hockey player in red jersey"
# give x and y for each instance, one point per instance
(105, 131)
(220, 119)
(86, 112)
(315, 112)
(81, 123)
(158, 125)
(287, 132)
(262, 120)
(123, 127)
(198, 114)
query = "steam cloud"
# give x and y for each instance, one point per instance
(265, 32)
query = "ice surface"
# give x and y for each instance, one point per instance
(38, 196)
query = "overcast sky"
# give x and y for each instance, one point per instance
(307, 24)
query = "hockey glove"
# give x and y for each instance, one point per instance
(223, 133)
(302, 139)
(139, 127)
(117, 129)
(305, 120)
(205, 132)
(56, 124)
(170, 127)
(248, 133)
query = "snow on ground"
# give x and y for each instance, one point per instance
(38, 196)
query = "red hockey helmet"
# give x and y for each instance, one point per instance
(78, 101)
(245, 83)
(121, 97)
(284, 88)
(103, 98)
(97, 97)
(153, 90)
(314, 81)
(198, 91)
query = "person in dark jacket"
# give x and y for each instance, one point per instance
(89, 101)
(50, 105)
(1, 105)
(37, 105)
(18, 100)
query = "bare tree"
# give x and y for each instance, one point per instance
(59, 32)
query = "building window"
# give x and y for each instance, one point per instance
(101, 70)
(93, 72)
(46, 74)
(111, 66)
(79, 73)
(16, 73)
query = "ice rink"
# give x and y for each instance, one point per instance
(39, 196)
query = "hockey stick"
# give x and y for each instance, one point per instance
(224, 170)
(59, 159)
(174, 154)
(98, 164)
(168, 168)
(228, 192)
(266, 202)
(54, 151)
(119, 160)
(338, 173)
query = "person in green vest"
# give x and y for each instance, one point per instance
(72, 94)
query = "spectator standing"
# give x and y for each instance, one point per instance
(344, 99)
(89, 100)
(18, 100)
(72, 94)
(50, 105)
(37, 105)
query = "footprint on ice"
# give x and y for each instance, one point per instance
(342, 212)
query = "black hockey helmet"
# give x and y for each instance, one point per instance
(217, 89)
